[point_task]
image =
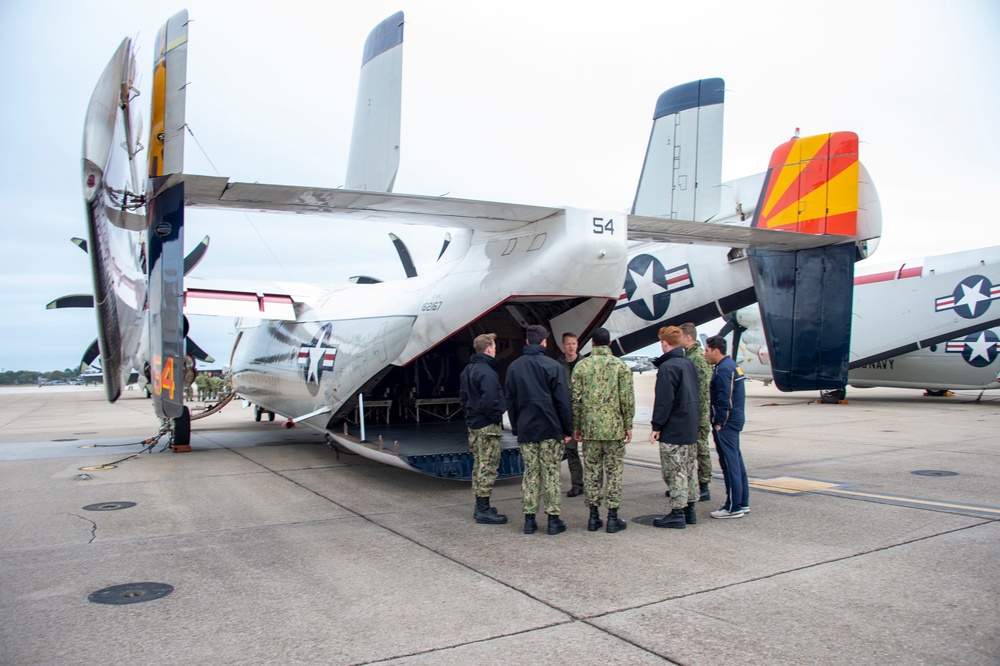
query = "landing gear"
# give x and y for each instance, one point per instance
(832, 397)
(182, 433)
(937, 393)
(258, 412)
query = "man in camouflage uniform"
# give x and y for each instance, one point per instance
(482, 401)
(603, 409)
(541, 416)
(693, 353)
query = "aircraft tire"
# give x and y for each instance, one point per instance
(936, 393)
(256, 414)
(270, 416)
(832, 397)
(182, 429)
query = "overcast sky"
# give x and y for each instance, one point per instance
(530, 102)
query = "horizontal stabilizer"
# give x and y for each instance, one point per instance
(80, 243)
(641, 228)
(218, 192)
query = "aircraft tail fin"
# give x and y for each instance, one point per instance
(165, 214)
(374, 157)
(682, 172)
(806, 295)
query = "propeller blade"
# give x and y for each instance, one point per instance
(93, 351)
(198, 352)
(404, 256)
(80, 243)
(737, 334)
(444, 246)
(363, 279)
(72, 301)
(196, 255)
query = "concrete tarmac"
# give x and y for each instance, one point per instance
(279, 550)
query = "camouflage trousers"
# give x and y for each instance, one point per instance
(606, 456)
(485, 446)
(542, 461)
(678, 461)
(704, 457)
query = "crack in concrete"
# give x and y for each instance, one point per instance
(93, 526)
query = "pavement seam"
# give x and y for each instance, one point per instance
(788, 571)
(573, 617)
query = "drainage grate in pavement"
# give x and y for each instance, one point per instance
(109, 506)
(130, 593)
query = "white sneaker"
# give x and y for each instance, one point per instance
(722, 513)
(744, 509)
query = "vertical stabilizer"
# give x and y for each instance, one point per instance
(374, 157)
(166, 131)
(165, 212)
(806, 296)
(682, 173)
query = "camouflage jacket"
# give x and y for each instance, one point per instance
(603, 396)
(697, 356)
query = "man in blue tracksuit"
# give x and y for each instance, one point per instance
(728, 394)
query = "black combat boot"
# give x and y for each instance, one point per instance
(690, 517)
(705, 493)
(673, 520)
(615, 524)
(595, 523)
(529, 523)
(556, 524)
(485, 516)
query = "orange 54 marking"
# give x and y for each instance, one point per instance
(163, 376)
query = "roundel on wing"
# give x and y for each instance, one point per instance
(980, 348)
(646, 287)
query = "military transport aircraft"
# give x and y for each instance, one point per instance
(958, 287)
(375, 365)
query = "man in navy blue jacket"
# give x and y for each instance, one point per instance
(676, 415)
(482, 399)
(728, 390)
(541, 415)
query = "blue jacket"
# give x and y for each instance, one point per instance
(728, 394)
(480, 392)
(538, 399)
(676, 402)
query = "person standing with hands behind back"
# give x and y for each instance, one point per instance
(541, 416)
(482, 400)
(603, 408)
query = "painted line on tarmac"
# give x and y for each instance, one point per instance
(792, 485)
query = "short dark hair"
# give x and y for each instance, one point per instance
(688, 329)
(535, 334)
(601, 337)
(718, 343)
